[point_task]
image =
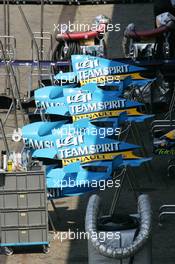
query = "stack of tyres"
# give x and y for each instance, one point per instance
(23, 210)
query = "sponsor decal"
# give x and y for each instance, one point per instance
(87, 150)
(102, 71)
(98, 157)
(70, 140)
(80, 97)
(162, 151)
(44, 104)
(96, 106)
(37, 144)
(112, 113)
(87, 64)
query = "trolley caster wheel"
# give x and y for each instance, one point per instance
(171, 171)
(46, 249)
(8, 251)
(160, 224)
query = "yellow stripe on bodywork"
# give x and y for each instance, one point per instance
(110, 78)
(96, 157)
(112, 113)
(134, 76)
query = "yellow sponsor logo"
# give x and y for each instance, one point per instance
(171, 134)
(97, 157)
(134, 76)
(111, 78)
(112, 113)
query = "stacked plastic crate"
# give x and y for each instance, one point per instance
(23, 210)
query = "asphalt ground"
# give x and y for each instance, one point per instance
(70, 212)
